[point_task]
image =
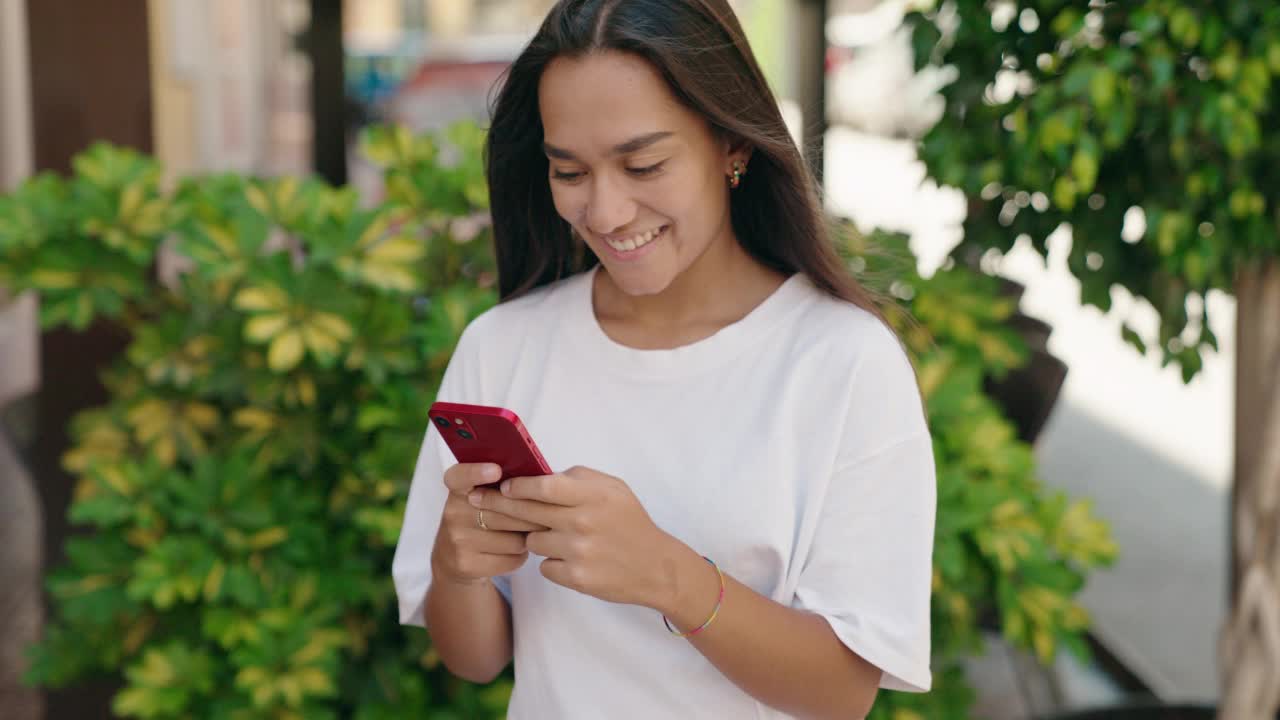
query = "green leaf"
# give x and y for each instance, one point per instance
(1162, 67)
(1184, 27)
(1064, 193)
(165, 683)
(1102, 89)
(1067, 22)
(1191, 363)
(1079, 79)
(1131, 337)
(1207, 336)
(1084, 165)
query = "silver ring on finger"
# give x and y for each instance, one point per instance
(480, 520)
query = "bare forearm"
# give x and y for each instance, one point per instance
(470, 626)
(786, 658)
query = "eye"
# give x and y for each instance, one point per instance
(641, 172)
(566, 176)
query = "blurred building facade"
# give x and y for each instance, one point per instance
(230, 90)
(21, 530)
(71, 73)
(15, 95)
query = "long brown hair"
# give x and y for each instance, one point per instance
(700, 49)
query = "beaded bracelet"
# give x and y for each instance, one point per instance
(714, 612)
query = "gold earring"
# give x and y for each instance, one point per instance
(738, 171)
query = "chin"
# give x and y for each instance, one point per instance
(639, 283)
(651, 273)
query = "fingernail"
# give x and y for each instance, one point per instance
(491, 473)
(474, 498)
(506, 487)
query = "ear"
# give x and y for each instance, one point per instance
(737, 150)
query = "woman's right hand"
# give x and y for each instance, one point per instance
(465, 552)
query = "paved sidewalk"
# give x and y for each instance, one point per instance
(1159, 608)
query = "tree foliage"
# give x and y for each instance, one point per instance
(1142, 126)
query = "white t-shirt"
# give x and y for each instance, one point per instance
(790, 447)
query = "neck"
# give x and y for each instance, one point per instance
(721, 287)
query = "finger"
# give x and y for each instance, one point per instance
(495, 542)
(464, 477)
(559, 572)
(495, 520)
(460, 513)
(532, 511)
(551, 544)
(557, 489)
(482, 565)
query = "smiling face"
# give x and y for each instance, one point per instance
(640, 177)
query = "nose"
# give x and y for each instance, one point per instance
(609, 208)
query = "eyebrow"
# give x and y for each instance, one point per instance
(630, 146)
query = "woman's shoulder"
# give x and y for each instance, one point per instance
(845, 329)
(867, 364)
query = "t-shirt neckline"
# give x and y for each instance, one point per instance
(717, 348)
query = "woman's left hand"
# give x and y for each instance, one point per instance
(599, 541)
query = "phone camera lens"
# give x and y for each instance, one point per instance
(465, 435)
(442, 422)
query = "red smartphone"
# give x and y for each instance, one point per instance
(484, 434)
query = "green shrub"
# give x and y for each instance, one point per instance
(247, 478)
(1007, 551)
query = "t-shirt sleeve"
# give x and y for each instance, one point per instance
(411, 566)
(869, 569)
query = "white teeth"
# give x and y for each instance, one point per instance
(636, 242)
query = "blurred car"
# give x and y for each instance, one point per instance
(453, 81)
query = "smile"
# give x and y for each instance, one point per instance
(635, 242)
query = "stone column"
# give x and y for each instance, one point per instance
(21, 520)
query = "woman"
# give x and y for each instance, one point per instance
(746, 526)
